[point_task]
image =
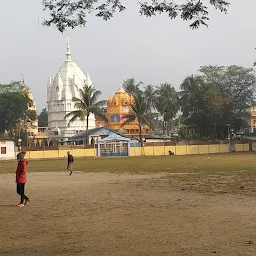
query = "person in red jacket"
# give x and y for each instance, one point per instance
(21, 179)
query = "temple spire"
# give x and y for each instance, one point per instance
(121, 88)
(50, 80)
(68, 54)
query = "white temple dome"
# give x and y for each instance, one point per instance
(60, 93)
(69, 79)
(68, 70)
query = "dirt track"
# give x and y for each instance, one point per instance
(114, 215)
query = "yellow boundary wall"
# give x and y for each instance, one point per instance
(187, 150)
(61, 153)
(147, 151)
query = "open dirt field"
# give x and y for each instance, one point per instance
(94, 214)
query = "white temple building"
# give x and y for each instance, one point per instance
(60, 92)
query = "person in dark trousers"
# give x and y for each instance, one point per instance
(70, 162)
(21, 179)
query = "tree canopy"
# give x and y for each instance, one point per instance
(217, 97)
(87, 104)
(167, 104)
(131, 86)
(206, 103)
(14, 107)
(43, 118)
(73, 13)
(138, 112)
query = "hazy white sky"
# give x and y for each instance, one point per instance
(152, 50)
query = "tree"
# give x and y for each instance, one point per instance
(167, 103)
(73, 13)
(217, 108)
(235, 82)
(131, 87)
(43, 118)
(219, 96)
(150, 95)
(87, 104)
(14, 108)
(138, 112)
(12, 87)
(191, 101)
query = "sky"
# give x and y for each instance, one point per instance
(153, 50)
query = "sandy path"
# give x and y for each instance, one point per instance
(112, 215)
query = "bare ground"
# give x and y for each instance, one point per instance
(96, 214)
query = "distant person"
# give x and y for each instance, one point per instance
(21, 155)
(70, 162)
(171, 153)
(21, 179)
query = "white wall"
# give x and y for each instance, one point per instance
(9, 145)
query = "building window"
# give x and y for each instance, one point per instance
(3, 150)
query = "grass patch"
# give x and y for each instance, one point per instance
(197, 163)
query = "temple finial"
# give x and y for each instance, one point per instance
(68, 54)
(50, 80)
(121, 88)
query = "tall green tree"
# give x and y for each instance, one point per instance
(192, 102)
(87, 104)
(150, 94)
(72, 13)
(237, 84)
(138, 112)
(191, 94)
(132, 87)
(167, 103)
(234, 82)
(43, 118)
(219, 96)
(14, 108)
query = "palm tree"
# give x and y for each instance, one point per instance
(150, 94)
(138, 112)
(87, 104)
(167, 104)
(192, 102)
(190, 94)
(131, 87)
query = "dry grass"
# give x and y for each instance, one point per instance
(196, 163)
(197, 205)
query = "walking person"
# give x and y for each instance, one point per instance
(21, 179)
(70, 162)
